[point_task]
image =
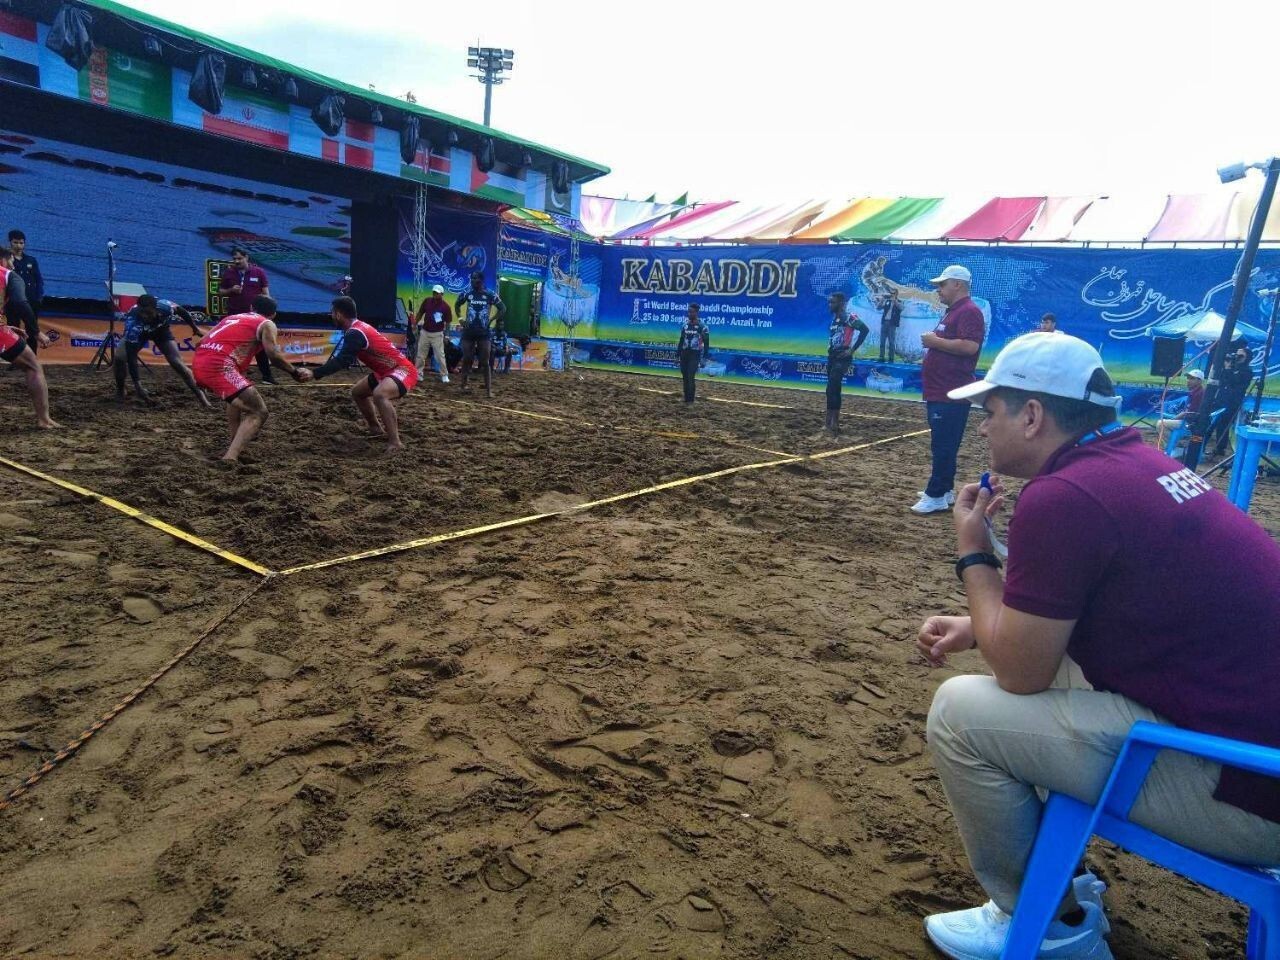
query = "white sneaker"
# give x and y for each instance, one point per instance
(949, 496)
(445, 378)
(980, 933)
(928, 504)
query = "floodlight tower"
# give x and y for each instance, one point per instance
(492, 62)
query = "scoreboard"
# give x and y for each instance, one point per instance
(215, 299)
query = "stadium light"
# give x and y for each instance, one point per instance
(491, 62)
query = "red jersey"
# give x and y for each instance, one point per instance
(379, 354)
(236, 338)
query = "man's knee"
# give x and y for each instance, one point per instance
(957, 705)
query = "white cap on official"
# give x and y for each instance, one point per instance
(1054, 363)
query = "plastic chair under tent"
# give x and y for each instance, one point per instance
(1067, 825)
(1179, 433)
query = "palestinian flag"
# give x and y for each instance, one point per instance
(504, 183)
(114, 79)
(19, 50)
(432, 168)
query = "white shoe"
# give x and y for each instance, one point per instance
(445, 378)
(949, 496)
(980, 933)
(928, 504)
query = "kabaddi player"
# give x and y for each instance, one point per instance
(392, 374)
(13, 346)
(224, 355)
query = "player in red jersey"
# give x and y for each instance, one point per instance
(13, 346)
(391, 376)
(221, 359)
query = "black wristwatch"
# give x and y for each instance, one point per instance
(975, 559)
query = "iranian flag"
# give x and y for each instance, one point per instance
(114, 79)
(19, 51)
(245, 115)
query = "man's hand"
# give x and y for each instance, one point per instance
(930, 340)
(238, 288)
(973, 508)
(43, 338)
(303, 375)
(940, 636)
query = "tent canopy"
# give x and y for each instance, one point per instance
(1206, 327)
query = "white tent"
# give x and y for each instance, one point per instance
(1206, 327)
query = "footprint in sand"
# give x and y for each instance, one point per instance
(141, 608)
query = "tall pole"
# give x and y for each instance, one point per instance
(1266, 352)
(488, 98)
(1244, 269)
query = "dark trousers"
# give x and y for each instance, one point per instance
(888, 333)
(837, 367)
(946, 432)
(473, 347)
(689, 360)
(1231, 404)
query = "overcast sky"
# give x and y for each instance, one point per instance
(780, 101)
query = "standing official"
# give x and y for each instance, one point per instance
(29, 270)
(694, 345)
(243, 284)
(950, 360)
(890, 320)
(433, 319)
(844, 337)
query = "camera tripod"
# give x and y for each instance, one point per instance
(106, 353)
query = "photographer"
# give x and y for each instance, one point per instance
(1236, 379)
(890, 320)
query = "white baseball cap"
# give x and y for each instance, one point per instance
(954, 272)
(437, 289)
(1054, 363)
(1198, 374)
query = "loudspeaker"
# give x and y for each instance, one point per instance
(1166, 355)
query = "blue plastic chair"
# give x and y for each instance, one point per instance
(1067, 825)
(1179, 433)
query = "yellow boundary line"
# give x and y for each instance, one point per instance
(590, 505)
(138, 515)
(670, 434)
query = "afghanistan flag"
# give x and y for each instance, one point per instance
(19, 51)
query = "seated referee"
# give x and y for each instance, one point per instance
(1079, 646)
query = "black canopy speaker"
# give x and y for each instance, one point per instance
(1166, 355)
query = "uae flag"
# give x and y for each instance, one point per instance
(114, 79)
(19, 51)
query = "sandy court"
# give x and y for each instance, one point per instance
(688, 724)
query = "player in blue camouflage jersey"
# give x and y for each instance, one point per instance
(148, 323)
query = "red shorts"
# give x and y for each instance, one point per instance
(12, 343)
(218, 373)
(405, 376)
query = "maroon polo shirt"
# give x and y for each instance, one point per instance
(253, 281)
(946, 371)
(435, 315)
(1175, 592)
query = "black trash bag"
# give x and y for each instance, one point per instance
(485, 158)
(69, 36)
(410, 135)
(560, 176)
(328, 114)
(208, 82)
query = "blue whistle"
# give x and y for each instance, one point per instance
(985, 482)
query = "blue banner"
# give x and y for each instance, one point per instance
(457, 243)
(531, 254)
(772, 300)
